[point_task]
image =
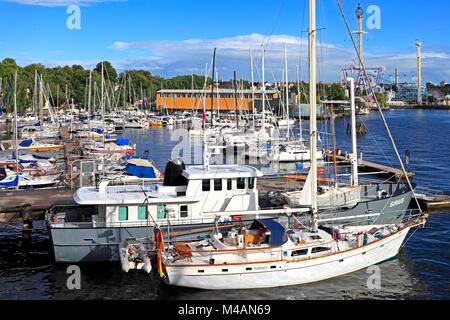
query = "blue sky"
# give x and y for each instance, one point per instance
(178, 37)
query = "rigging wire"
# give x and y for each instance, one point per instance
(379, 109)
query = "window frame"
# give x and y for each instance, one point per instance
(145, 212)
(204, 185)
(119, 213)
(184, 212)
(217, 184)
(238, 186)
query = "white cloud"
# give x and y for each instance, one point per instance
(186, 56)
(59, 3)
(190, 56)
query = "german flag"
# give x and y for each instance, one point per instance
(160, 246)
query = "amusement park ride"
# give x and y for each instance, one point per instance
(374, 73)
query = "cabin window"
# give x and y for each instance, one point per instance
(319, 249)
(161, 211)
(142, 213)
(183, 211)
(229, 184)
(241, 183)
(206, 185)
(299, 252)
(217, 184)
(123, 213)
(251, 183)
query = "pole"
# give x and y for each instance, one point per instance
(263, 93)
(312, 110)
(253, 90)
(15, 130)
(419, 92)
(287, 92)
(235, 102)
(212, 87)
(334, 147)
(354, 155)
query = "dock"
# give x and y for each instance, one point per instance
(368, 166)
(11, 202)
(434, 203)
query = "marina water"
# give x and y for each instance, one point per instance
(419, 271)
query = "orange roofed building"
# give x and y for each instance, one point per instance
(224, 99)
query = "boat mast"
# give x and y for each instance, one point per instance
(35, 92)
(41, 103)
(287, 92)
(212, 88)
(334, 146)
(312, 110)
(15, 130)
(253, 89)
(235, 103)
(299, 110)
(89, 101)
(263, 93)
(354, 155)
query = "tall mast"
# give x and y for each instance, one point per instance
(236, 110)
(287, 91)
(212, 88)
(89, 100)
(124, 91)
(334, 146)
(263, 93)
(35, 92)
(15, 129)
(312, 109)
(204, 97)
(218, 106)
(253, 89)
(41, 103)
(299, 110)
(354, 155)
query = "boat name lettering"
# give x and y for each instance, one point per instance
(397, 202)
(261, 268)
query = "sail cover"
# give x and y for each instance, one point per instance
(140, 171)
(277, 231)
(26, 143)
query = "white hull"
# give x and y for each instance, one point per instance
(294, 156)
(286, 273)
(340, 197)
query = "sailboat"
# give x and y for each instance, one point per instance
(266, 254)
(332, 195)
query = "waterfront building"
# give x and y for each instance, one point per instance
(224, 99)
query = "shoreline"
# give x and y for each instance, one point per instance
(421, 106)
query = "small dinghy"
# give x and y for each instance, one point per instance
(134, 256)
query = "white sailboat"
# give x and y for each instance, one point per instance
(333, 195)
(265, 254)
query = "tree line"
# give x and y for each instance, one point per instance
(67, 84)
